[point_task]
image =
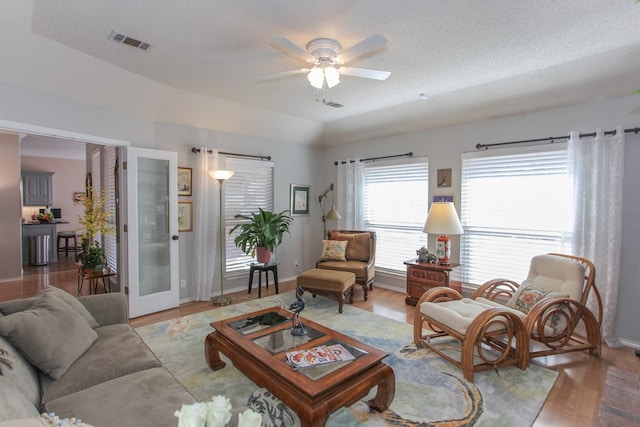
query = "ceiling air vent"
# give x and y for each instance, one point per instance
(121, 38)
(333, 104)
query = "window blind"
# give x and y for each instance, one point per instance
(516, 203)
(250, 188)
(395, 205)
(110, 242)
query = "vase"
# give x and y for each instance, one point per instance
(263, 255)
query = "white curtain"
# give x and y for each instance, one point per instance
(206, 226)
(349, 195)
(597, 166)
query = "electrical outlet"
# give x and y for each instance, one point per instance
(183, 283)
(296, 263)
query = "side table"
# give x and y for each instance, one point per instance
(266, 267)
(422, 276)
(93, 277)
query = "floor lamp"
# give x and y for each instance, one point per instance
(221, 176)
(332, 214)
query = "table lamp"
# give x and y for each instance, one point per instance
(443, 220)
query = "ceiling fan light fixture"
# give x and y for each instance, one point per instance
(332, 75)
(316, 77)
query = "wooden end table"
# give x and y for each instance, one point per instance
(422, 276)
(94, 276)
(257, 344)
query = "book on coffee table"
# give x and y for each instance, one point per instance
(318, 356)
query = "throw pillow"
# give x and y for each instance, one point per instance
(529, 297)
(48, 334)
(15, 306)
(333, 250)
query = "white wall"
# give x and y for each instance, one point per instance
(302, 164)
(444, 146)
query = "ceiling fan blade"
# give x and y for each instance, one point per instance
(367, 45)
(365, 73)
(285, 45)
(273, 76)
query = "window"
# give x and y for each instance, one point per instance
(515, 204)
(396, 203)
(103, 178)
(250, 188)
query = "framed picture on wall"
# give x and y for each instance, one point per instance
(185, 216)
(444, 177)
(299, 200)
(184, 181)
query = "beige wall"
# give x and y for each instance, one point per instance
(10, 228)
(68, 177)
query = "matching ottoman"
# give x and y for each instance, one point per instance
(333, 283)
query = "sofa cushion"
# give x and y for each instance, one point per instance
(333, 250)
(14, 306)
(118, 351)
(358, 246)
(149, 398)
(14, 404)
(49, 334)
(358, 268)
(17, 370)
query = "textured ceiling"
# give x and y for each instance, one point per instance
(474, 60)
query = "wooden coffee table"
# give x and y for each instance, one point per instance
(257, 344)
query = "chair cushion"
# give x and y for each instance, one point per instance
(557, 274)
(457, 314)
(333, 250)
(358, 247)
(358, 268)
(49, 334)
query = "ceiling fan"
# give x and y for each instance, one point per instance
(327, 60)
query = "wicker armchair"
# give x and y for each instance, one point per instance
(546, 314)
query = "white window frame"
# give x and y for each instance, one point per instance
(516, 203)
(250, 188)
(397, 213)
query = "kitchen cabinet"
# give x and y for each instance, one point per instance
(37, 188)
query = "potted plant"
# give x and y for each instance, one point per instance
(262, 233)
(95, 222)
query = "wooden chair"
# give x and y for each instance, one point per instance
(546, 314)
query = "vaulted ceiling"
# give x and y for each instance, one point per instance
(450, 61)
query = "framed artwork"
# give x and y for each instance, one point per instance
(185, 216)
(184, 181)
(443, 199)
(444, 177)
(299, 200)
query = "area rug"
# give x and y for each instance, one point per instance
(619, 404)
(429, 391)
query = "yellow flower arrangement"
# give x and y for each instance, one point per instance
(95, 221)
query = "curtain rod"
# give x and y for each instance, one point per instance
(253, 156)
(553, 139)
(373, 159)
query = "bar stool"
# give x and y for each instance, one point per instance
(67, 236)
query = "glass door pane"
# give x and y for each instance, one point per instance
(153, 232)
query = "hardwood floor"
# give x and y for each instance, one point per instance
(573, 401)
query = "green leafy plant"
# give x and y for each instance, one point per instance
(92, 254)
(262, 229)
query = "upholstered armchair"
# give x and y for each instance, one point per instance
(355, 254)
(507, 323)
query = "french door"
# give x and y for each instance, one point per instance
(152, 230)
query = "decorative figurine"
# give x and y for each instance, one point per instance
(297, 328)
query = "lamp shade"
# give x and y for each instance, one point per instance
(332, 75)
(333, 214)
(316, 77)
(443, 219)
(220, 175)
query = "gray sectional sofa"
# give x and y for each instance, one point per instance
(78, 357)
